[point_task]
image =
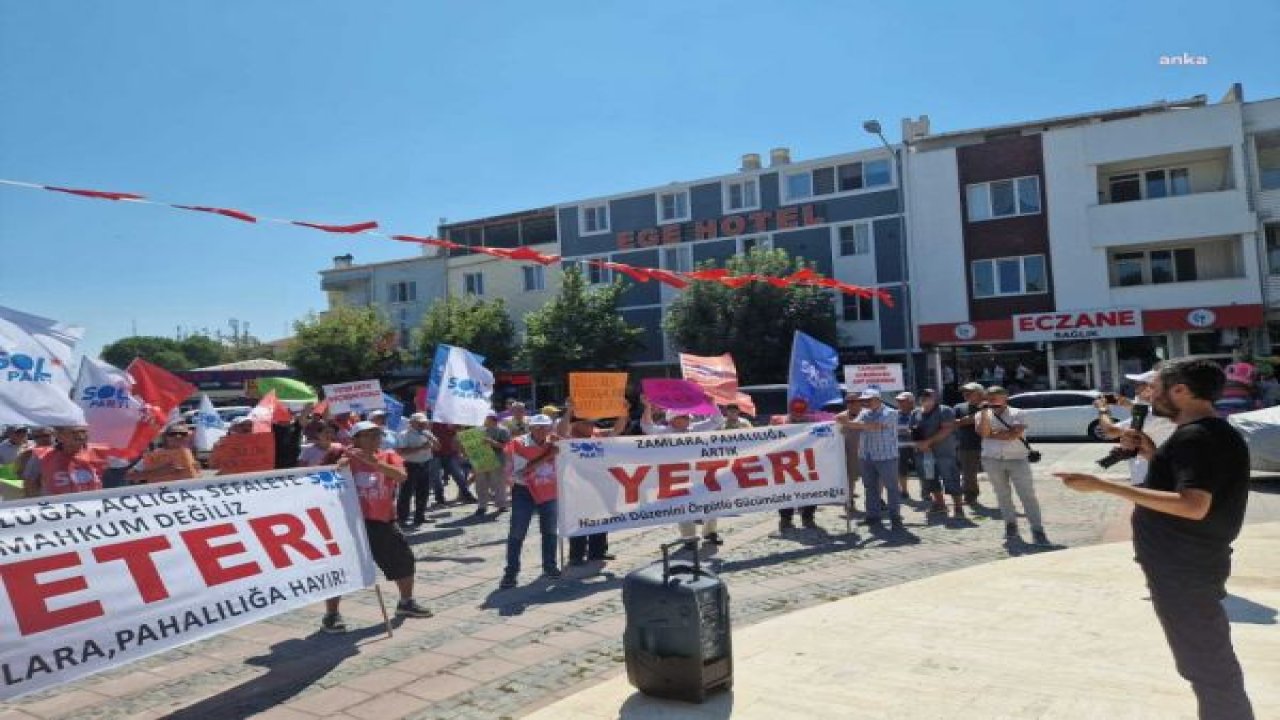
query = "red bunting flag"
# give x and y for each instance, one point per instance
(777, 281)
(635, 273)
(99, 194)
(666, 277)
(737, 281)
(708, 274)
(228, 212)
(803, 275)
(528, 253)
(347, 229)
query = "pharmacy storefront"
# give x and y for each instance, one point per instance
(1083, 349)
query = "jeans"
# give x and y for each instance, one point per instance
(945, 477)
(414, 490)
(1007, 476)
(589, 547)
(443, 468)
(970, 466)
(1196, 626)
(881, 476)
(522, 510)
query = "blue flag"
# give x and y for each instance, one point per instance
(395, 412)
(813, 372)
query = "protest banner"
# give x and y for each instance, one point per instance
(357, 397)
(609, 484)
(101, 579)
(252, 452)
(884, 377)
(718, 376)
(598, 395)
(478, 450)
(677, 395)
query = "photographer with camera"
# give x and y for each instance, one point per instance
(1006, 457)
(1157, 428)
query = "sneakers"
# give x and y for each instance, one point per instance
(809, 523)
(896, 524)
(467, 499)
(578, 562)
(1011, 530)
(479, 513)
(410, 608)
(332, 623)
(507, 582)
(785, 525)
(604, 558)
(552, 574)
(1039, 538)
(713, 539)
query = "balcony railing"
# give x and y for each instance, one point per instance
(1171, 218)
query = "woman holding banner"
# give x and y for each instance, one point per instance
(170, 462)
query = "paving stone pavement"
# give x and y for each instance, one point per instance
(490, 654)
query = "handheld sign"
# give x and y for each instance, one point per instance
(598, 395)
(253, 452)
(475, 444)
(677, 395)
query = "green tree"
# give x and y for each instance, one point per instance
(203, 351)
(342, 345)
(754, 323)
(482, 327)
(578, 328)
(165, 352)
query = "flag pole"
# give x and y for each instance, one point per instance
(386, 619)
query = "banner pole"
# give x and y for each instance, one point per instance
(386, 619)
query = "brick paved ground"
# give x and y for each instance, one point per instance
(491, 654)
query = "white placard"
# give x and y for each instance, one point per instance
(884, 376)
(361, 396)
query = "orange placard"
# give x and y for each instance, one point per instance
(252, 452)
(598, 395)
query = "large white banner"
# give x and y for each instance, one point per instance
(35, 370)
(92, 581)
(609, 484)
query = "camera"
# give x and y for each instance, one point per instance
(1138, 419)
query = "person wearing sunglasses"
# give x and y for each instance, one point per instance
(171, 462)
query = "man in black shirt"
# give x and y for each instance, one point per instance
(1188, 512)
(968, 443)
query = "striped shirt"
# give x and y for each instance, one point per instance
(879, 444)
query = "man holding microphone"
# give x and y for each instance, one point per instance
(1189, 511)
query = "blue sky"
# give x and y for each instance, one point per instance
(409, 111)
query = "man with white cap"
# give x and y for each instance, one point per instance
(533, 490)
(417, 446)
(376, 473)
(878, 458)
(680, 421)
(1156, 427)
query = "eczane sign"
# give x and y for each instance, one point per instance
(1078, 325)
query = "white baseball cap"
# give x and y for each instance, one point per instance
(869, 394)
(364, 426)
(540, 420)
(1145, 378)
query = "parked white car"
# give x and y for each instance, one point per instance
(1062, 413)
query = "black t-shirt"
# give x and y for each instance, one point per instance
(967, 438)
(1206, 455)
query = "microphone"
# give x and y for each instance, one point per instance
(1137, 418)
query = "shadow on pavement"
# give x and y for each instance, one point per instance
(1243, 610)
(418, 538)
(814, 543)
(642, 707)
(292, 666)
(549, 592)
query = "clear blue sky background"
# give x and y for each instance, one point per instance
(408, 111)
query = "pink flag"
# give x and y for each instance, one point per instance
(718, 377)
(682, 395)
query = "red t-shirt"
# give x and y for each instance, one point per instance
(61, 473)
(377, 491)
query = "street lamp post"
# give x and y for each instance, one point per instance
(908, 367)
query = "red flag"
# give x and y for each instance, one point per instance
(777, 281)
(635, 273)
(803, 275)
(736, 281)
(527, 253)
(269, 410)
(99, 194)
(161, 392)
(349, 229)
(666, 277)
(228, 212)
(708, 274)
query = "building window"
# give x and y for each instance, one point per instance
(677, 259)
(595, 274)
(1203, 343)
(473, 283)
(761, 242)
(1149, 184)
(594, 219)
(402, 292)
(1269, 161)
(854, 239)
(1004, 198)
(1001, 277)
(742, 195)
(535, 278)
(842, 178)
(856, 308)
(1153, 267)
(673, 206)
